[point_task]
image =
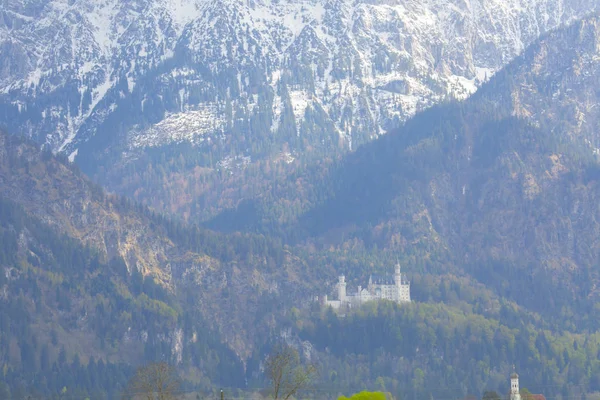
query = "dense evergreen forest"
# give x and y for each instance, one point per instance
(65, 315)
(432, 350)
(77, 320)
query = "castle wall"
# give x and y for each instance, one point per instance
(398, 292)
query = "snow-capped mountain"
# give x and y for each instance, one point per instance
(337, 72)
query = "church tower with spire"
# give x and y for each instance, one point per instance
(514, 386)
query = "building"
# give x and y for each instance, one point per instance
(514, 387)
(515, 392)
(395, 290)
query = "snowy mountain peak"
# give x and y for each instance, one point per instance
(73, 70)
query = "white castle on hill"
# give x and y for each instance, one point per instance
(395, 290)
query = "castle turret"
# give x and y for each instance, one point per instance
(398, 276)
(514, 387)
(342, 288)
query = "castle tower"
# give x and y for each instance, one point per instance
(514, 386)
(398, 282)
(342, 288)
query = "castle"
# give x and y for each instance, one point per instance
(395, 290)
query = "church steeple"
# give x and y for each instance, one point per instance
(514, 386)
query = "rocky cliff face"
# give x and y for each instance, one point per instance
(233, 281)
(554, 84)
(55, 194)
(162, 71)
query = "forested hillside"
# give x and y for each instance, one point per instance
(440, 351)
(487, 202)
(80, 319)
(70, 320)
(90, 280)
(490, 205)
(476, 188)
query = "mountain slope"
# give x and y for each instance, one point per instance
(554, 84)
(238, 282)
(70, 320)
(499, 191)
(492, 214)
(154, 96)
(501, 187)
(166, 71)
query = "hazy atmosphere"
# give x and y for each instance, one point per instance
(300, 199)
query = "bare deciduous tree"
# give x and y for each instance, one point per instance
(286, 374)
(156, 381)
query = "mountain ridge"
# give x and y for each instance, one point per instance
(489, 204)
(364, 64)
(478, 187)
(178, 257)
